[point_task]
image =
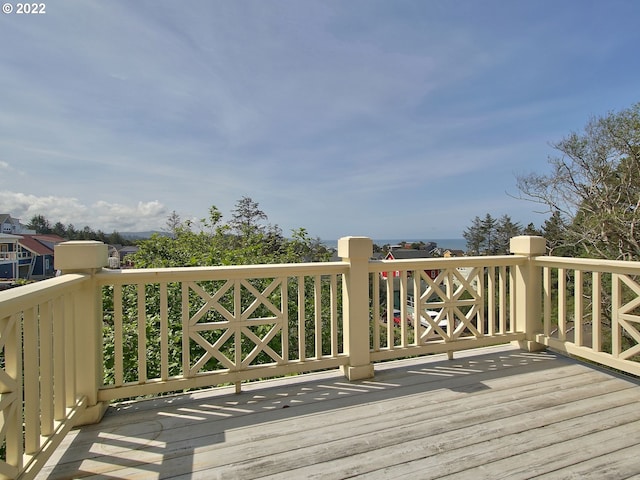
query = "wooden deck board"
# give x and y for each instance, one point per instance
(490, 413)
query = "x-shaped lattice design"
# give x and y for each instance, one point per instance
(454, 313)
(236, 324)
(627, 316)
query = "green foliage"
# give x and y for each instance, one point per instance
(243, 241)
(490, 236)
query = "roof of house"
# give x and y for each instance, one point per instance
(40, 244)
(405, 253)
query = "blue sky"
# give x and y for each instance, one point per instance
(391, 119)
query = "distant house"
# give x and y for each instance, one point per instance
(128, 250)
(28, 256)
(40, 249)
(11, 255)
(404, 254)
(12, 226)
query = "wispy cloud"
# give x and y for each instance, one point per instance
(335, 116)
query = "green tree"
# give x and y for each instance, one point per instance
(594, 185)
(216, 244)
(505, 229)
(553, 230)
(174, 223)
(491, 236)
(246, 218)
(475, 236)
(59, 229)
(40, 224)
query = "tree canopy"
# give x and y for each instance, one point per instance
(490, 236)
(43, 226)
(593, 189)
(245, 239)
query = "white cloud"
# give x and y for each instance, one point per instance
(100, 215)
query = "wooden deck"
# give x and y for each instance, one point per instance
(490, 413)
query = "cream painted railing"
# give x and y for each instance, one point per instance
(72, 344)
(591, 309)
(442, 305)
(39, 397)
(181, 328)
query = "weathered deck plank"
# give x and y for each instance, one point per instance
(492, 413)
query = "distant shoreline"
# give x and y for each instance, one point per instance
(446, 243)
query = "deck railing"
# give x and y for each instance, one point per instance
(14, 256)
(70, 345)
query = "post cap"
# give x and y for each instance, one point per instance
(528, 245)
(355, 247)
(80, 255)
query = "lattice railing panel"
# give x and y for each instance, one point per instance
(235, 323)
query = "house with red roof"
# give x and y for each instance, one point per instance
(28, 256)
(40, 249)
(23, 252)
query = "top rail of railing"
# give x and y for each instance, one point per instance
(26, 296)
(226, 272)
(378, 266)
(589, 264)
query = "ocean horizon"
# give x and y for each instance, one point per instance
(446, 243)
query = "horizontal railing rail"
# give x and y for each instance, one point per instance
(591, 309)
(38, 397)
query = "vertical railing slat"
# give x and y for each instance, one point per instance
(502, 299)
(547, 300)
(403, 308)
(562, 304)
(482, 295)
(302, 344)
(317, 308)
(512, 300)
(491, 301)
(13, 366)
(376, 311)
(164, 332)
(578, 307)
(142, 334)
(31, 381)
(390, 325)
(186, 331)
(333, 289)
(59, 370)
(46, 367)
(237, 316)
(284, 299)
(596, 311)
(70, 316)
(118, 333)
(616, 330)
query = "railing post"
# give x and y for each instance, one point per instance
(357, 251)
(87, 257)
(528, 282)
